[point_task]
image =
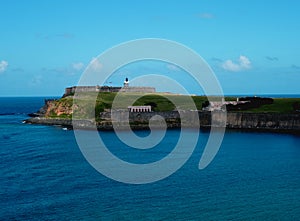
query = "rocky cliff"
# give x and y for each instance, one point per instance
(235, 120)
(272, 121)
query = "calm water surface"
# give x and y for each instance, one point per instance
(43, 176)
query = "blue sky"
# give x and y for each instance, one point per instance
(252, 46)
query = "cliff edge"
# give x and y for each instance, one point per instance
(281, 115)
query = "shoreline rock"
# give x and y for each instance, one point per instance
(273, 122)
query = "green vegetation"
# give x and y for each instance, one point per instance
(159, 103)
(61, 105)
(87, 107)
(280, 105)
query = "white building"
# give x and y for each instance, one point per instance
(139, 108)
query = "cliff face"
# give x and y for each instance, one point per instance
(235, 120)
(56, 108)
(263, 121)
(53, 110)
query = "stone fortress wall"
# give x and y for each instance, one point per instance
(235, 120)
(125, 88)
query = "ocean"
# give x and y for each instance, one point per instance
(44, 176)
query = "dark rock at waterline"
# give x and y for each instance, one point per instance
(275, 122)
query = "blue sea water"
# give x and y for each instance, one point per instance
(44, 176)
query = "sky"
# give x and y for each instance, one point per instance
(253, 47)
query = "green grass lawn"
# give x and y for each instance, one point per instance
(159, 102)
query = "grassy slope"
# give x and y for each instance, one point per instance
(105, 100)
(162, 101)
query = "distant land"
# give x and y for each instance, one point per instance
(249, 113)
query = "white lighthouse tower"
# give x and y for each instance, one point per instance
(126, 82)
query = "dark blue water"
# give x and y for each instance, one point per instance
(43, 176)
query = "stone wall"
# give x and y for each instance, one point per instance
(72, 90)
(235, 120)
(263, 121)
(138, 89)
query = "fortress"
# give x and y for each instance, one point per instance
(125, 88)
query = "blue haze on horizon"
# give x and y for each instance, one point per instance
(252, 46)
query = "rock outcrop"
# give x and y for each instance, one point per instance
(235, 120)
